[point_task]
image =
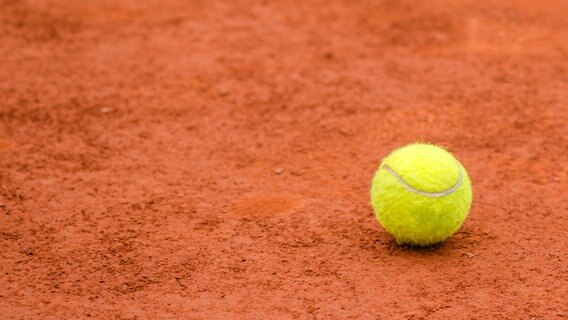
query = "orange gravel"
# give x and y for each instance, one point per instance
(170, 159)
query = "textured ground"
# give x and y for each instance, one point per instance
(212, 159)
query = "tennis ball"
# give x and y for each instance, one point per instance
(421, 194)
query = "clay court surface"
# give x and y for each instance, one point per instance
(213, 159)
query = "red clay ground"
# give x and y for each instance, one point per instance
(212, 160)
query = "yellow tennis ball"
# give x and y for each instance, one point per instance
(421, 194)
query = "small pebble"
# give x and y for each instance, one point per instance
(223, 92)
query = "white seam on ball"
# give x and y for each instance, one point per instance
(426, 193)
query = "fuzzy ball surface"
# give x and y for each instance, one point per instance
(421, 194)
